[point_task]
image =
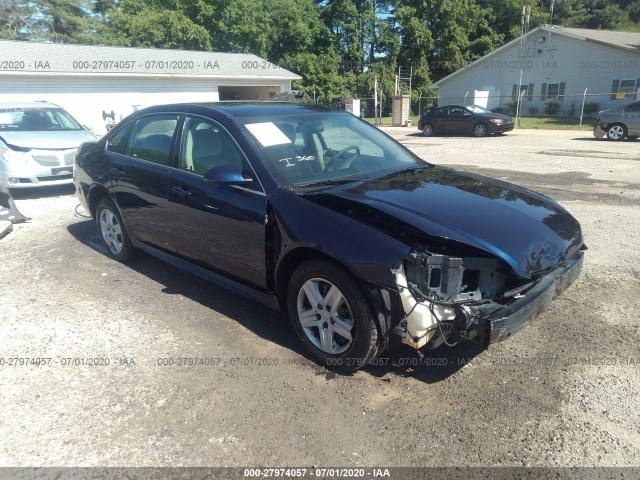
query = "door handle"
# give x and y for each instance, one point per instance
(117, 173)
(180, 190)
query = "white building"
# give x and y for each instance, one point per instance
(551, 64)
(89, 80)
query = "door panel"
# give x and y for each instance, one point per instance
(141, 158)
(140, 190)
(631, 118)
(219, 227)
(459, 120)
(440, 119)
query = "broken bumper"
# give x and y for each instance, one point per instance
(506, 322)
(598, 131)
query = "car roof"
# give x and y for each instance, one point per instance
(40, 104)
(251, 109)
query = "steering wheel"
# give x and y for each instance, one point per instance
(333, 160)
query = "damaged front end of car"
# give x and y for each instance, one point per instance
(447, 299)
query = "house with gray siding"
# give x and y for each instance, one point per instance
(551, 64)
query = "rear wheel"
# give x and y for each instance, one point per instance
(616, 132)
(112, 231)
(480, 130)
(427, 130)
(331, 316)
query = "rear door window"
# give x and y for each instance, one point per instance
(152, 138)
(633, 108)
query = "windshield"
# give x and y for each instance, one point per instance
(477, 109)
(326, 148)
(36, 119)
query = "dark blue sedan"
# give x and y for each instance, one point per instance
(317, 213)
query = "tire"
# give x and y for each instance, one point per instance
(480, 130)
(112, 231)
(616, 132)
(428, 130)
(340, 311)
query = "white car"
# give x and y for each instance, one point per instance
(38, 143)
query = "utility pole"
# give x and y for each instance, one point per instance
(375, 100)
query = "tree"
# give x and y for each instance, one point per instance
(505, 16)
(15, 20)
(158, 24)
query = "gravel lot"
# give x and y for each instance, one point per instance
(563, 392)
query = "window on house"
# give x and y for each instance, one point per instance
(525, 91)
(625, 89)
(553, 91)
(628, 87)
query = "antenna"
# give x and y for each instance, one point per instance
(524, 28)
(551, 20)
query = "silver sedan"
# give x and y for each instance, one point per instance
(38, 143)
(619, 123)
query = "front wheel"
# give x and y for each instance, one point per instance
(427, 130)
(616, 132)
(480, 130)
(112, 231)
(331, 316)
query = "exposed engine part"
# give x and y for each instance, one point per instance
(445, 297)
(439, 276)
(419, 325)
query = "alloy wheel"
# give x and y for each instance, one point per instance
(480, 130)
(616, 132)
(325, 316)
(111, 231)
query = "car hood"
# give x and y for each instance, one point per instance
(530, 232)
(52, 140)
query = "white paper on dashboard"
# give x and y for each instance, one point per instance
(267, 133)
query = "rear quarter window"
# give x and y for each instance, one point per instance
(118, 142)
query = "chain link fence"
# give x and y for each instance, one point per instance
(571, 109)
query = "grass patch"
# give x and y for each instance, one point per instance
(556, 123)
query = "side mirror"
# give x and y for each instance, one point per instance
(226, 174)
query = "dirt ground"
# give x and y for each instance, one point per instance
(562, 392)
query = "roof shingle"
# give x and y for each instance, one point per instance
(89, 59)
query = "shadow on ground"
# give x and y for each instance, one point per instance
(272, 325)
(42, 192)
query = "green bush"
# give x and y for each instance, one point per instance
(551, 108)
(572, 109)
(501, 110)
(533, 111)
(591, 107)
(512, 107)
